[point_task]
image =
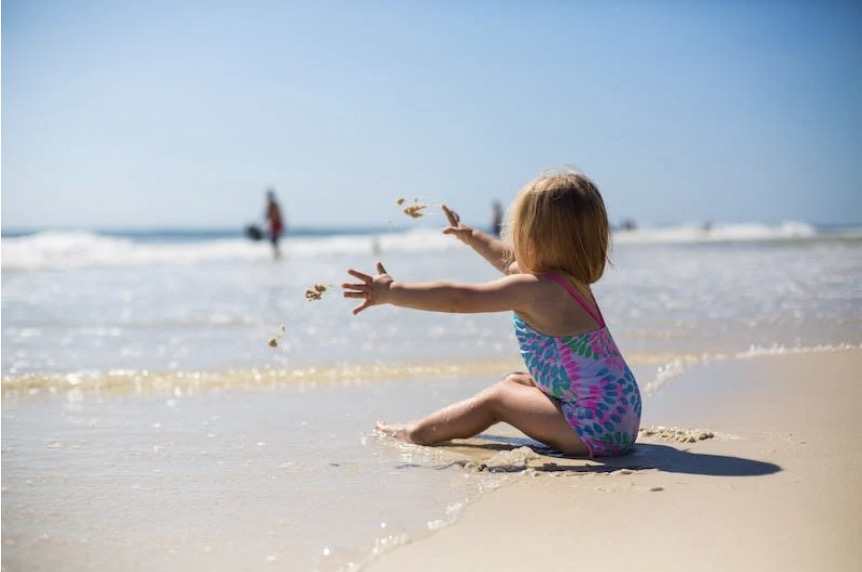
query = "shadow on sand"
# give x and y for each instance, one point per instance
(497, 453)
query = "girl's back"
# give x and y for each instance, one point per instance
(584, 370)
(554, 310)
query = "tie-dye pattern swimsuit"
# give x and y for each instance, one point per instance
(597, 391)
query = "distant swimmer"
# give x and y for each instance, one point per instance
(275, 222)
(497, 218)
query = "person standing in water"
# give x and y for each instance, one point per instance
(274, 221)
(577, 395)
(497, 218)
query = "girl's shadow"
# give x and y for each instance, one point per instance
(645, 456)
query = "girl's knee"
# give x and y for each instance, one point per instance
(520, 378)
(490, 401)
(498, 400)
(500, 397)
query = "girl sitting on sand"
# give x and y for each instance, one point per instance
(579, 396)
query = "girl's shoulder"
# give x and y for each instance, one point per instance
(559, 308)
(520, 278)
(551, 280)
(548, 281)
(537, 285)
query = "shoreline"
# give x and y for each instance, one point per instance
(121, 381)
(775, 486)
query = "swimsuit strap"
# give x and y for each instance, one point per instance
(600, 320)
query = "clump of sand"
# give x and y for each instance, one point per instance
(273, 341)
(678, 434)
(315, 292)
(415, 210)
(511, 461)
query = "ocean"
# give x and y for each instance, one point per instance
(148, 423)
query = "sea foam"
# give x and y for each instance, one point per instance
(80, 249)
(52, 249)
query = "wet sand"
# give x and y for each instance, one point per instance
(750, 464)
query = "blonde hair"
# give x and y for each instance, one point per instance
(558, 222)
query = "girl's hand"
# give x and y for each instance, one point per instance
(373, 288)
(457, 228)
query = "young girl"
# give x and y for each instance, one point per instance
(579, 396)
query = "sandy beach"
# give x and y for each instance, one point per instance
(762, 472)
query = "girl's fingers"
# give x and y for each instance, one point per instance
(360, 275)
(363, 290)
(361, 307)
(451, 215)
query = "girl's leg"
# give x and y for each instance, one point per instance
(515, 400)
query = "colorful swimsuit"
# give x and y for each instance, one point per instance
(599, 395)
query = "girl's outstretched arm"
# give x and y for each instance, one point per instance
(509, 293)
(490, 248)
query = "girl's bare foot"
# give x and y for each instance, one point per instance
(400, 432)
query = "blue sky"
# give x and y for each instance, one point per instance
(167, 113)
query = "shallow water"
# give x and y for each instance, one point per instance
(222, 480)
(219, 315)
(148, 424)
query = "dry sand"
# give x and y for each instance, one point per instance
(770, 480)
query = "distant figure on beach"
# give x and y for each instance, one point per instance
(497, 218)
(274, 221)
(578, 396)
